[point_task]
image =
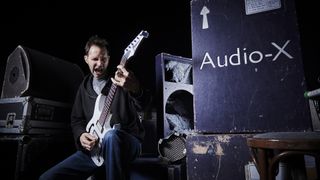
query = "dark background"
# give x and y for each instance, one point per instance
(61, 28)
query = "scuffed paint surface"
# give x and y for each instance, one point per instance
(211, 147)
(219, 150)
(223, 138)
(199, 149)
(212, 156)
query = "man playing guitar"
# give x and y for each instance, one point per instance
(106, 127)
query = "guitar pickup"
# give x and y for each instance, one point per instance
(98, 125)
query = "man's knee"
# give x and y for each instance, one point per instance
(111, 135)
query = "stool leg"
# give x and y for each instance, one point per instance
(262, 164)
(295, 165)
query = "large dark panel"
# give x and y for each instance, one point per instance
(247, 67)
(33, 73)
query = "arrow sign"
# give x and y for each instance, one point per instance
(204, 13)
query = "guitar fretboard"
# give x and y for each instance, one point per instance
(107, 104)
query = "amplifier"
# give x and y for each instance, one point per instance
(30, 115)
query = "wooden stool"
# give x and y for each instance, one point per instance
(268, 149)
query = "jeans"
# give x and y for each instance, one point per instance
(120, 149)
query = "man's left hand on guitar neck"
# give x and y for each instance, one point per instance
(126, 79)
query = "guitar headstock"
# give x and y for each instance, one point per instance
(132, 47)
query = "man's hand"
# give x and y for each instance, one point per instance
(126, 79)
(87, 141)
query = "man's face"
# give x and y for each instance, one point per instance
(97, 60)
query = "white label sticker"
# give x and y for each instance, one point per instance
(257, 6)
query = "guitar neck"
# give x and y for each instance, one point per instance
(128, 52)
(110, 96)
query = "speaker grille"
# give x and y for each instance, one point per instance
(172, 148)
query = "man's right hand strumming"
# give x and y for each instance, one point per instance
(87, 141)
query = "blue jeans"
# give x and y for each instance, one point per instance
(120, 148)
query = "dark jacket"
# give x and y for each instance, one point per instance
(124, 109)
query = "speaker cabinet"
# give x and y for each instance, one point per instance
(174, 91)
(33, 73)
(248, 69)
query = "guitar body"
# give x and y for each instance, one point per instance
(95, 128)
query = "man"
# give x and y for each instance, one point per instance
(121, 144)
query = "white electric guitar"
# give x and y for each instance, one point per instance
(100, 121)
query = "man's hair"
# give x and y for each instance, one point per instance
(97, 41)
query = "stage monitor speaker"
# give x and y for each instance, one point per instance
(174, 95)
(172, 148)
(33, 73)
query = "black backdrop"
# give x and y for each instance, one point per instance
(61, 28)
